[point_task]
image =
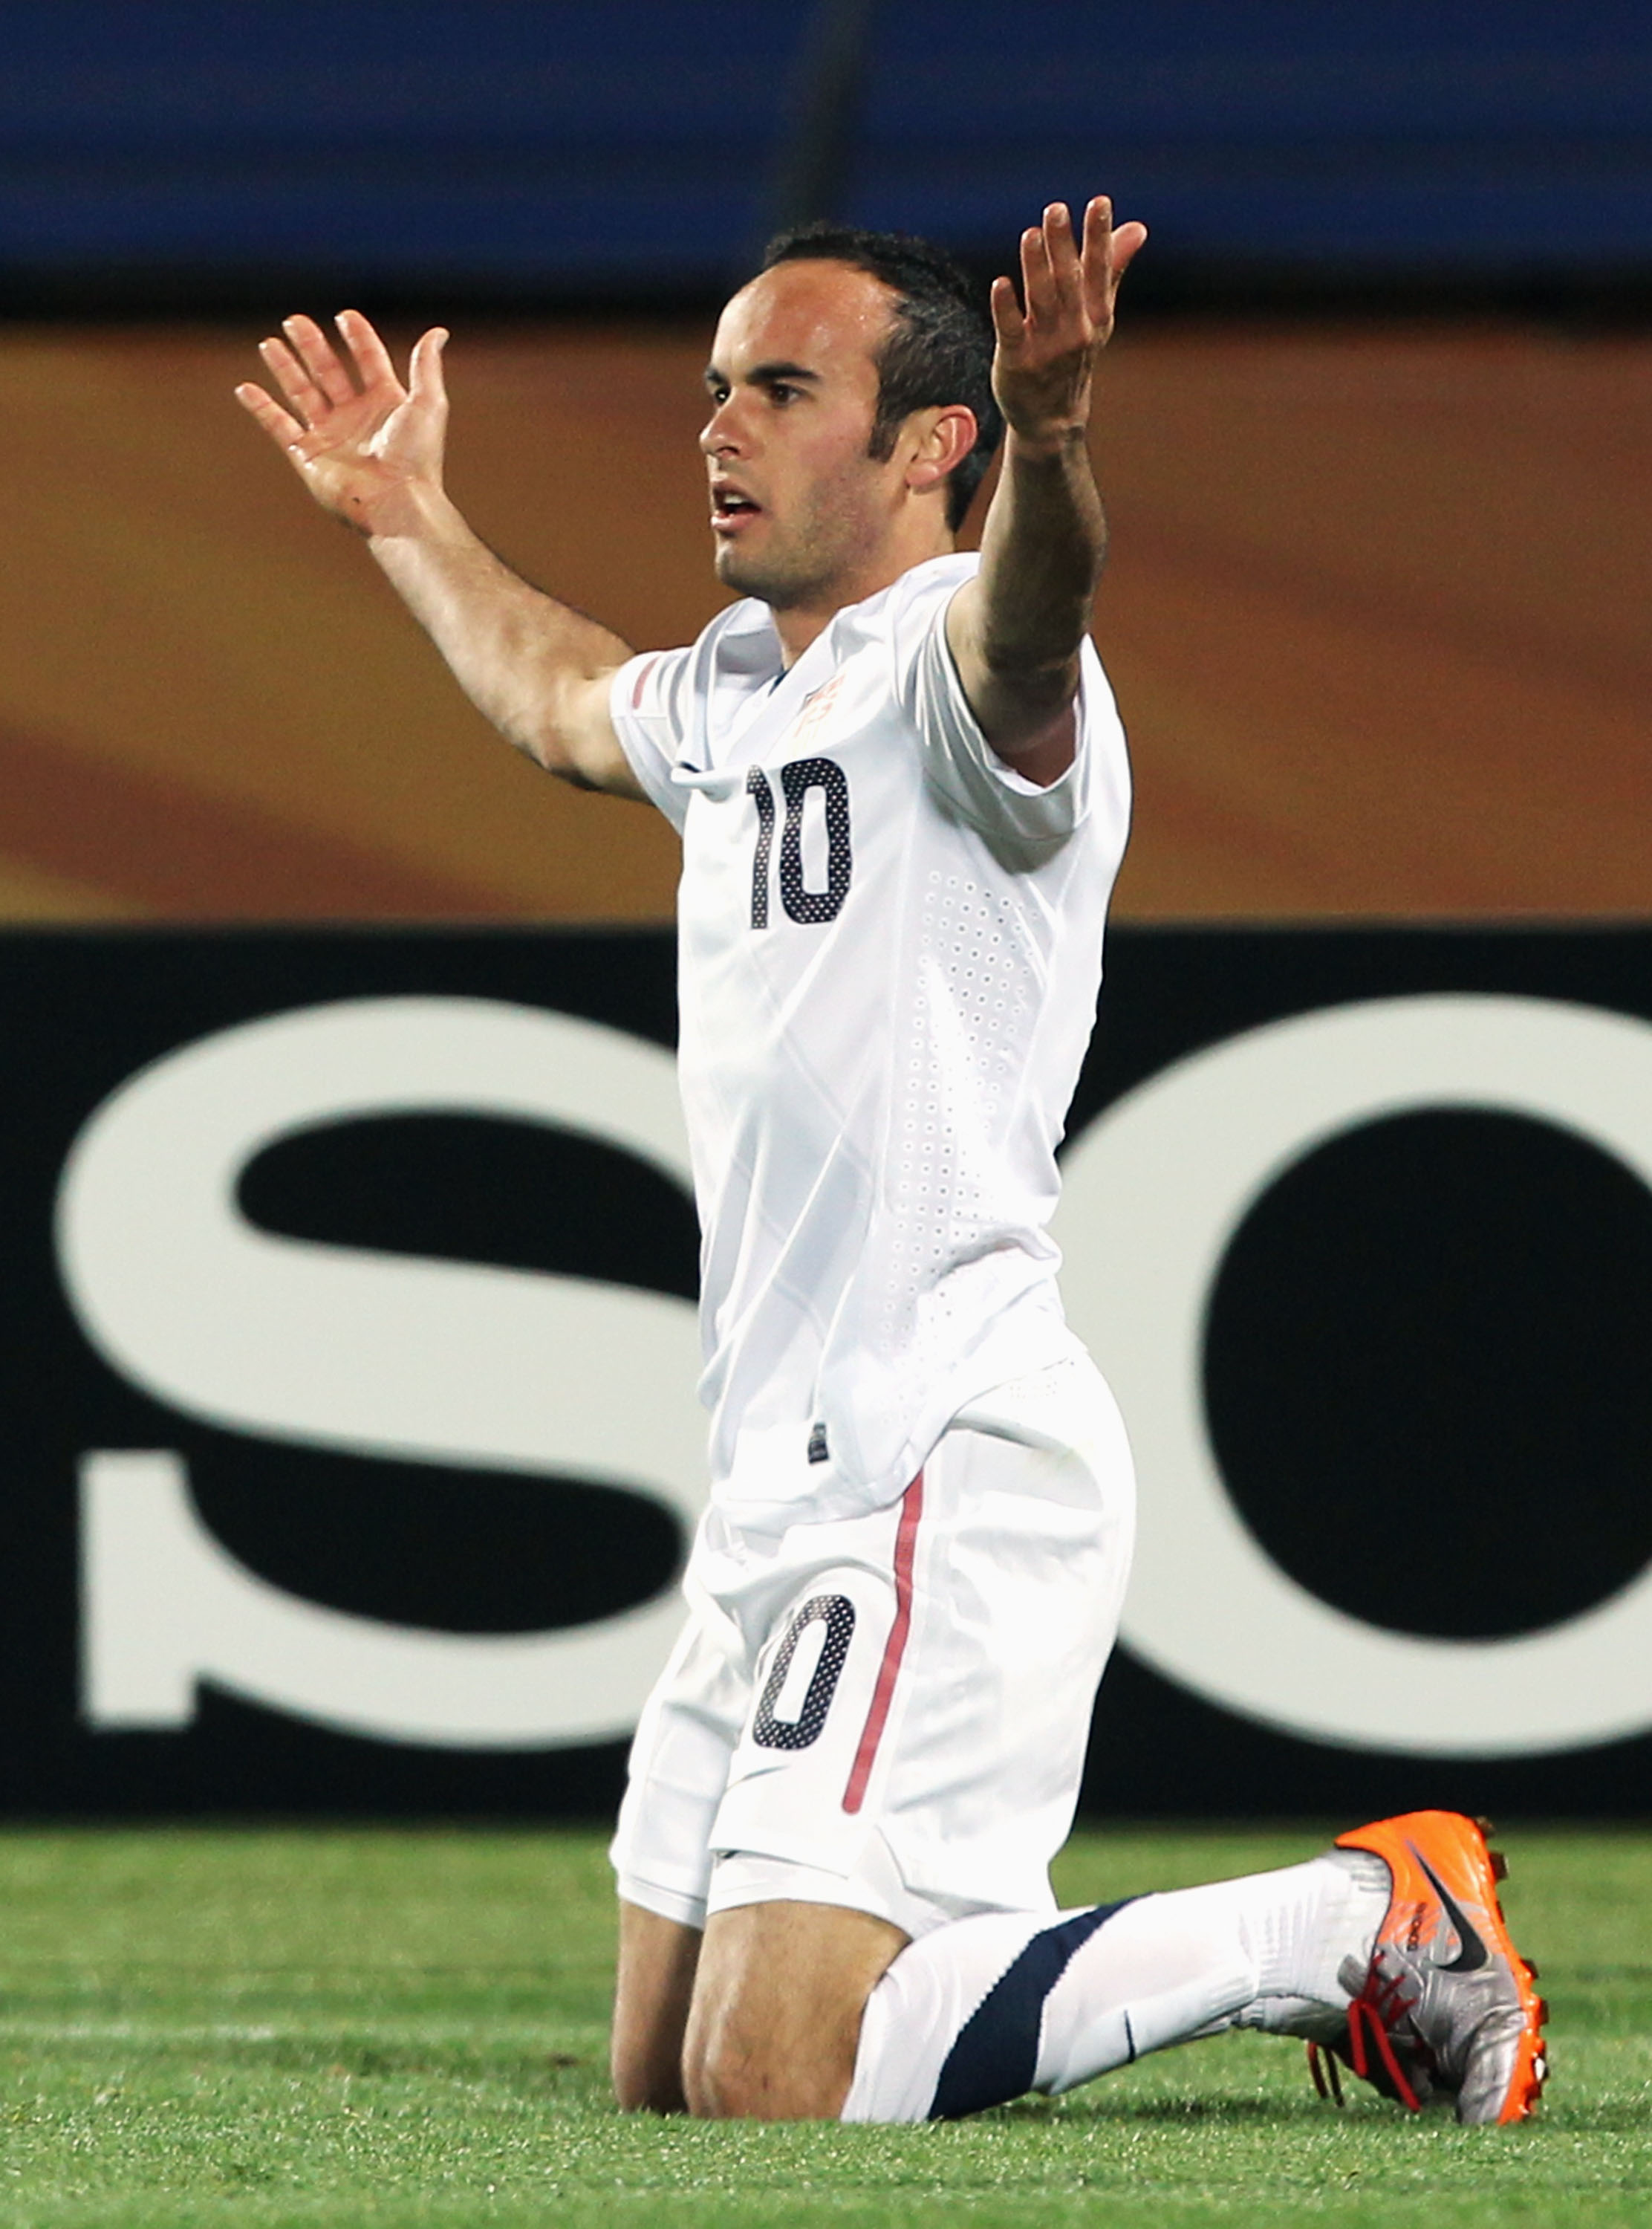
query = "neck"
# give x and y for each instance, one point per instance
(798, 625)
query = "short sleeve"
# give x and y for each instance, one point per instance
(1021, 820)
(646, 703)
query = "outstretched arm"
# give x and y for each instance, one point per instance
(370, 451)
(1015, 631)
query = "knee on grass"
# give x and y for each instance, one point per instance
(644, 2083)
(726, 2079)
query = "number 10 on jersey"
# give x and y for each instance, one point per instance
(796, 780)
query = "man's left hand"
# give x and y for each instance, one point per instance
(1048, 341)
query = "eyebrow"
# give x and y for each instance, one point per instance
(763, 375)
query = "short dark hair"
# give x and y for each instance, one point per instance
(939, 349)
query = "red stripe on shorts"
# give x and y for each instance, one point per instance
(912, 1509)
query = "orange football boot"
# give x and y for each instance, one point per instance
(1446, 2006)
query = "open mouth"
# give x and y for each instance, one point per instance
(729, 506)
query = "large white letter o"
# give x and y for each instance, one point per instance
(1155, 1189)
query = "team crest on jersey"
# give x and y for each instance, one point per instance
(814, 714)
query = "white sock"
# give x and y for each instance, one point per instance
(1305, 1940)
(985, 2009)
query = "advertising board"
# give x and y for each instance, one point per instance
(348, 1357)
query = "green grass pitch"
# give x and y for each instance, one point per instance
(408, 2027)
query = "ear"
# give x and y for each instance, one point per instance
(937, 442)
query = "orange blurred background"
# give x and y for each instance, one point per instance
(1379, 615)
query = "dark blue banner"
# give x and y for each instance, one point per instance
(639, 145)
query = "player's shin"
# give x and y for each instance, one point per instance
(986, 2009)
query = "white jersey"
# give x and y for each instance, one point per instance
(890, 950)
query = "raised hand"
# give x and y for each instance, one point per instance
(363, 443)
(1048, 341)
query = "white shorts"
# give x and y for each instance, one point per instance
(890, 1712)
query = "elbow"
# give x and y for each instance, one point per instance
(1029, 689)
(548, 727)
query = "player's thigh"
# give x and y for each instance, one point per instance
(653, 1989)
(678, 1767)
(922, 1701)
(778, 2002)
(1018, 1577)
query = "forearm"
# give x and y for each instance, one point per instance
(1041, 555)
(535, 668)
(1016, 630)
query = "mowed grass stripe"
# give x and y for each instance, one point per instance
(409, 2026)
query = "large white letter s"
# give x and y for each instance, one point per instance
(335, 1347)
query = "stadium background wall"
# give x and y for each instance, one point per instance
(1375, 613)
(347, 1350)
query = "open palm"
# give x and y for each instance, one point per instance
(1048, 342)
(359, 440)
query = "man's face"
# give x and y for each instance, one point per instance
(799, 505)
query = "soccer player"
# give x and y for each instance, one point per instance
(901, 790)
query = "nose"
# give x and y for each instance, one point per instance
(719, 435)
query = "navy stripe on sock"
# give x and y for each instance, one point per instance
(995, 2055)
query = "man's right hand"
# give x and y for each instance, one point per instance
(366, 447)
(369, 450)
